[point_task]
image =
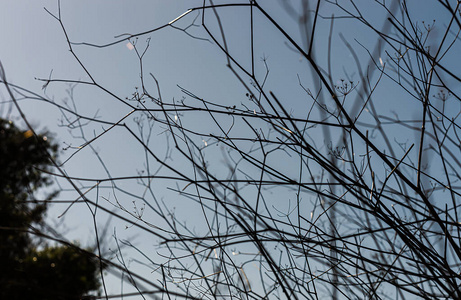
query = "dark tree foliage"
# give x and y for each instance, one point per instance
(57, 273)
(21, 157)
(29, 270)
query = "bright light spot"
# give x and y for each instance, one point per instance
(381, 62)
(176, 118)
(130, 46)
(215, 253)
(45, 138)
(34, 259)
(312, 215)
(28, 134)
(206, 144)
(53, 265)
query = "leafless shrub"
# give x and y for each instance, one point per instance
(310, 180)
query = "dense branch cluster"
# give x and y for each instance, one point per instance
(342, 186)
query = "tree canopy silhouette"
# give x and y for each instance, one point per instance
(31, 269)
